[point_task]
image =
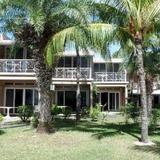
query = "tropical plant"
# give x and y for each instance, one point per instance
(95, 112)
(1, 118)
(55, 110)
(35, 120)
(131, 111)
(33, 23)
(155, 117)
(134, 21)
(67, 111)
(25, 112)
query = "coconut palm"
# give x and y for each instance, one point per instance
(151, 64)
(132, 20)
(85, 37)
(33, 23)
(135, 20)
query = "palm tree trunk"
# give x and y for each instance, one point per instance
(78, 93)
(144, 114)
(44, 78)
(149, 88)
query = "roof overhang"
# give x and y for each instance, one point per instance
(155, 92)
(7, 42)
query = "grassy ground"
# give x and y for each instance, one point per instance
(87, 140)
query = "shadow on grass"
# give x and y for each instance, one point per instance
(98, 131)
(2, 132)
(155, 149)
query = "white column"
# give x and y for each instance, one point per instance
(91, 96)
(125, 72)
(126, 94)
(8, 111)
(91, 66)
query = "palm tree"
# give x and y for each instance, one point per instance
(33, 23)
(135, 19)
(86, 37)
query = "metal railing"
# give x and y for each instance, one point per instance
(16, 65)
(110, 76)
(71, 73)
(27, 66)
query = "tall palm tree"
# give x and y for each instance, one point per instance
(86, 37)
(135, 19)
(33, 23)
(151, 64)
(132, 20)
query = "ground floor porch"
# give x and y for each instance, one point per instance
(17, 93)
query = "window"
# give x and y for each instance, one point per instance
(116, 67)
(60, 98)
(109, 67)
(110, 100)
(61, 62)
(84, 62)
(29, 54)
(83, 99)
(74, 61)
(68, 62)
(17, 97)
(19, 53)
(102, 67)
(29, 97)
(96, 67)
(70, 99)
(9, 98)
(35, 97)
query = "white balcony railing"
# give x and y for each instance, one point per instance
(27, 66)
(16, 65)
(71, 73)
(110, 76)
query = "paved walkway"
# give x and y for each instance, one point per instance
(9, 122)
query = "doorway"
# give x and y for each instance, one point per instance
(110, 101)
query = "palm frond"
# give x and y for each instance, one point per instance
(93, 36)
(151, 13)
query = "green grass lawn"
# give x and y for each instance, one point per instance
(87, 140)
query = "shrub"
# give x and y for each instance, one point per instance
(131, 111)
(34, 120)
(67, 111)
(1, 118)
(95, 112)
(85, 111)
(102, 117)
(55, 110)
(155, 117)
(25, 112)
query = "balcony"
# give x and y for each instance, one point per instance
(71, 73)
(16, 66)
(110, 76)
(25, 67)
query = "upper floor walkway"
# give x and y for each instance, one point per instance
(24, 68)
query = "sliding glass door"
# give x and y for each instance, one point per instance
(110, 100)
(15, 97)
(18, 98)
(68, 98)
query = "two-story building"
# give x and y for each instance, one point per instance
(18, 80)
